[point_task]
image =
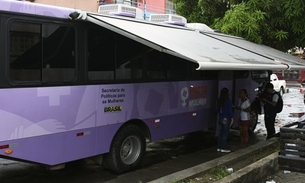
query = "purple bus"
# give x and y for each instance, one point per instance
(75, 84)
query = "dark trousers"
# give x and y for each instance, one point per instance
(223, 135)
(269, 124)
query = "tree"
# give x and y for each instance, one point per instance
(293, 12)
(243, 22)
(276, 23)
(190, 10)
(203, 11)
(271, 22)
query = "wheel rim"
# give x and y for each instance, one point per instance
(130, 150)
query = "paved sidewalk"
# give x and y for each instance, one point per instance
(284, 176)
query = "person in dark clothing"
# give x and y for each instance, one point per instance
(225, 119)
(270, 100)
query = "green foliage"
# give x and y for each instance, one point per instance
(190, 10)
(293, 8)
(219, 172)
(270, 22)
(243, 22)
(203, 11)
(292, 12)
(277, 23)
(281, 35)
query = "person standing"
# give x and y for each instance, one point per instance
(225, 119)
(270, 100)
(244, 117)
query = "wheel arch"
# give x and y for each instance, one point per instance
(129, 157)
(139, 123)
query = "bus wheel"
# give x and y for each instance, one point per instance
(253, 122)
(127, 149)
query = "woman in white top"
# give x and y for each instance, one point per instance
(244, 117)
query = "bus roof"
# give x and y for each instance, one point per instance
(35, 8)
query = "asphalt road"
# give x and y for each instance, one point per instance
(87, 171)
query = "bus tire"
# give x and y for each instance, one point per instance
(127, 149)
(253, 122)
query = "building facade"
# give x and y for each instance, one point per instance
(88, 5)
(148, 6)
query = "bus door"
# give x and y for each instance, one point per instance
(225, 80)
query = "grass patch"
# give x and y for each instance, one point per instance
(265, 152)
(213, 174)
(218, 172)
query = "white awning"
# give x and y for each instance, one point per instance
(210, 52)
(268, 52)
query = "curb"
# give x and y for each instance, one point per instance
(254, 172)
(258, 169)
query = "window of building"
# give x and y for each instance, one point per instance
(170, 7)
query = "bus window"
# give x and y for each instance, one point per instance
(202, 74)
(58, 54)
(156, 65)
(225, 75)
(177, 67)
(129, 58)
(25, 52)
(41, 53)
(101, 50)
(241, 74)
(260, 75)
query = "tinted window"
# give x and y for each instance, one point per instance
(176, 67)
(113, 56)
(129, 58)
(156, 65)
(41, 53)
(101, 54)
(241, 74)
(260, 75)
